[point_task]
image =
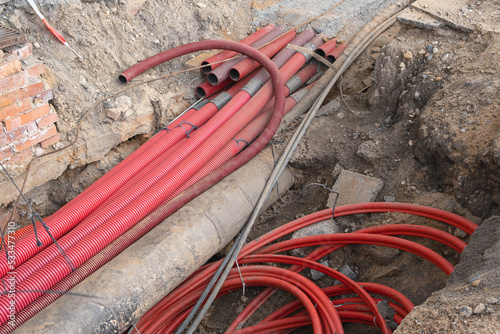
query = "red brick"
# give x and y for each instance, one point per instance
(35, 70)
(15, 109)
(33, 140)
(9, 66)
(20, 158)
(11, 97)
(50, 141)
(22, 119)
(46, 95)
(49, 119)
(5, 153)
(25, 51)
(12, 82)
(32, 127)
(12, 136)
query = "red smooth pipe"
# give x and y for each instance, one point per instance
(331, 57)
(241, 69)
(327, 48)
(208, 64)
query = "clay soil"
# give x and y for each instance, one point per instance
(427, 126)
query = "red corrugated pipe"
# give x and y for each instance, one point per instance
(242, 68)
(327, 48)
(54, 271)
(331, 57)
(226, 54)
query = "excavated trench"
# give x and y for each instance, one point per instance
(417, 111)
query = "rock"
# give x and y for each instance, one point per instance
(380, 255)
(475, 282)
(346, 270)
(389, 198)
(375, 55)
(337, 170)
(355, 188)
(316, 275)
(459, 233)
(201, 5)
(113, 113)
(323, 227)
(465, 312)
(492, 300)
(36, 45)
(108, 104)
(369, 151)
(479, 308)
(1, 55)
(423, 132)
(408, 55)
(402, 65)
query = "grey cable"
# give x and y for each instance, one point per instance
(277, 171)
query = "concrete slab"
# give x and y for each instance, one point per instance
(419, 19)
(355, 188)
(465, 15)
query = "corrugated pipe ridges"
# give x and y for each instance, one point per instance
(327, 48)
(208, 65)
(205, 89)
(97, 240)
(247, 65)
(81, 206)
(331, 57)
(221, 73)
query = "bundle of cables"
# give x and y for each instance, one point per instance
(207, 142)
(323, 309)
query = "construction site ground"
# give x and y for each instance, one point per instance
(418, 110)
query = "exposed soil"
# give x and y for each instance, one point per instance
(426, 125)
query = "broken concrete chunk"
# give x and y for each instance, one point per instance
(316, 275)
(419, 19)
(355, 188)
(346, 270)
(369, 151)
(320, 228)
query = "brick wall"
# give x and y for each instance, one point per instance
(27, 120)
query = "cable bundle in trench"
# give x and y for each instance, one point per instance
(323, 309)
(198, 149)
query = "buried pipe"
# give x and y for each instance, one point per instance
(208, 64)
(333, 56)
(221, 73)
(327, 48)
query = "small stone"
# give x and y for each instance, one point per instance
(375, 55)
(465, 312)
(492, 300)
(435, 49)
(389, 198)
(320, 228)
(109, 104)
(438, 78)
(460, 233)
(340, 115)
(479, 308)
(429, 57)
(429, 48)
(402, 65)
(36, 45)
(113, 113)
(156, 41)
(410, 142)
(408, 55)
(445, 57)
(475, 282)
(346, 270)
(201, 5)
(421, 52)
(417, 94)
